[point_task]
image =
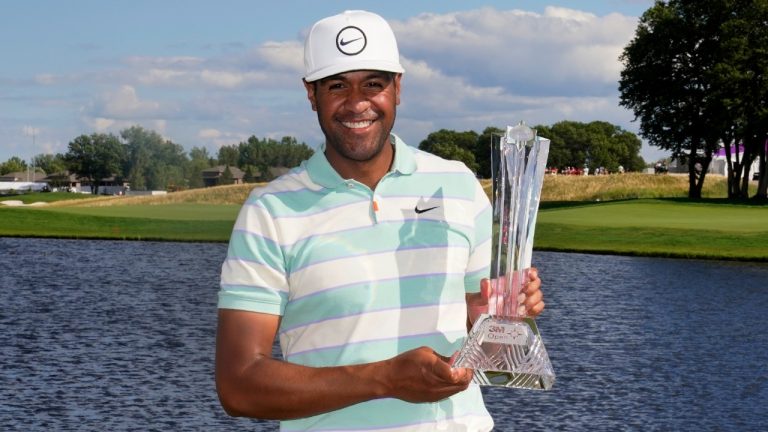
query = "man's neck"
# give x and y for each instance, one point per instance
(368, 172)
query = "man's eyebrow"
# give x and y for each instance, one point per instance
(374, 74)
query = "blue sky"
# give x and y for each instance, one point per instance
(209, 74)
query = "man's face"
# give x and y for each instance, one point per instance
(356, 111)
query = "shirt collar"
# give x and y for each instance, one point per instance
(322, 173)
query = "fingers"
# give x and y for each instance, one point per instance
(485, 289)
(533, 302)
(443, 370)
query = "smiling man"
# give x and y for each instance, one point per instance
(367, 261)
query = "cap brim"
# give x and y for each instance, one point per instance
(352, 66)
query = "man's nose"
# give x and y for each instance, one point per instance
(357, 101)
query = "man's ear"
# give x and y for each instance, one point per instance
(311, 87)
(397, 88)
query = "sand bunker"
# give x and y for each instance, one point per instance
(17, 203)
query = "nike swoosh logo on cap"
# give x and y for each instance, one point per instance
(420, 211)
(345, 43)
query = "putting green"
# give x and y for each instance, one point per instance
(225, 212)
(662, 214)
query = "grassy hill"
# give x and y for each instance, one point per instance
(555, 189)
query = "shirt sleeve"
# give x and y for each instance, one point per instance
(253, 276)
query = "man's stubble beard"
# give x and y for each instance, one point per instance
(366, 149)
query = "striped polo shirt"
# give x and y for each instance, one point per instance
(361, 275)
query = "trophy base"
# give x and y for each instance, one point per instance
(507, 352)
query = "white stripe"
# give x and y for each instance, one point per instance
(291, 182)
(480, 256)
(373, 267)
(239, 272)
(388, 324)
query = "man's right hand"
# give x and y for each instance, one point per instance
(422, 375)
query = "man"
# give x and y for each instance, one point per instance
(366, 261)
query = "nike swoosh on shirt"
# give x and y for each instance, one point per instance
(344, 43)
(420, 211)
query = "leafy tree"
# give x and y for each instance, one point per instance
(448, 144)
(250, 174)
(695, 77)
(262, 154)
(153, 162)
(741, 88)
(14, 164)
(228, 155)
(49, 163)
(199, 161)
(487, 141)
(665, 82)
(95, 157)
(226, 177)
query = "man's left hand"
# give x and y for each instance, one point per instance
(531, 299)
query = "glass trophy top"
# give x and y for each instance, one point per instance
(519, 134)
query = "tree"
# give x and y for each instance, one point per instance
(95, 157)
(259, 155)
(14, 164)
(50, 164)
(226, 177)
(153, 162)
(450, 144)
(741, 88)
(228, 155)
(667, 84)
(597, 144)
(199, 159)
(695, 76)
(487, 141)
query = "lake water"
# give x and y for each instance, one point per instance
(119, 336)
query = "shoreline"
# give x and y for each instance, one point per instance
(586, 250)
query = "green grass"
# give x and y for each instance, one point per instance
(657, 228)
(35, 222)
(183, 211)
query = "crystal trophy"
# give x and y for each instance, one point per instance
(504, 346)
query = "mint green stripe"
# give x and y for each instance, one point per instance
(430, 185)
(375, 296)
(472, 280)
(382, 237)
(252, 247)
(253, 299)
(297, 203)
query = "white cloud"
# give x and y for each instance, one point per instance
(209, 133)
(45, 79)
(561, 51)
(287, 55)
(230, 79)
(100, 124)
(125, 103)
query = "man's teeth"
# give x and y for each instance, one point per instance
(357, 125)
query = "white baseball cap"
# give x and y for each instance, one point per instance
(352, 40)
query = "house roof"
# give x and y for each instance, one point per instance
(217, 171)
(22, 176)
